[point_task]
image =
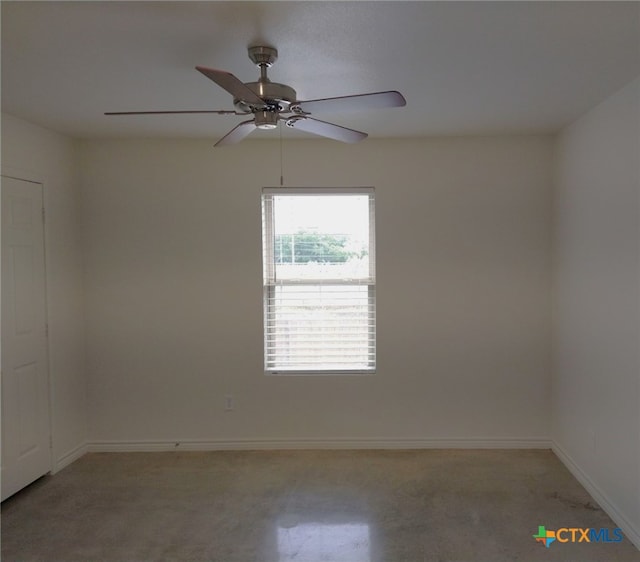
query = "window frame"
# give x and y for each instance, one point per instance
(270, 283)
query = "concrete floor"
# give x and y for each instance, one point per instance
(306, 506)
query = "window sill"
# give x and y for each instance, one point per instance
(329, 373)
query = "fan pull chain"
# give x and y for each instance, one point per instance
(281, 169)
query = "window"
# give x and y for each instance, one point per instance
(319, 280)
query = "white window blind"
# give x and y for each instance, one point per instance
(319, 280)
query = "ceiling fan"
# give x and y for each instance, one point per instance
(269, 102)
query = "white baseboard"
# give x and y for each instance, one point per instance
(618, 517)
(69, 457)
(275, 444)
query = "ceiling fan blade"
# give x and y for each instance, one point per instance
(376, 100)
(232, 84)
(218, 111)
(325, 129)
(237, 133)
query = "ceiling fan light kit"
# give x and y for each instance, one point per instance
(266, 119)
(269, 102)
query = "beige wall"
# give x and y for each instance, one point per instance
(31, 152)
(596, 384)
(173, 284)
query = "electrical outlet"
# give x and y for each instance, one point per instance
(229, 403)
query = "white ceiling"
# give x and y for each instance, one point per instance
(464, 67)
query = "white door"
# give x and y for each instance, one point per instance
(26, 451)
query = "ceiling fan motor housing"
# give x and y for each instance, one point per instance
(277, 97)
